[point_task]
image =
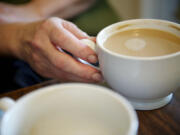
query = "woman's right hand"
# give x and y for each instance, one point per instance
(42, 43)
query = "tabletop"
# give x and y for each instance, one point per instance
(163, 121)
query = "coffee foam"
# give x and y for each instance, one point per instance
(135, 44)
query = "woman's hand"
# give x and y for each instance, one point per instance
(42, 45)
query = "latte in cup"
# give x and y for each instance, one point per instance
(143, 42)
(140, 59)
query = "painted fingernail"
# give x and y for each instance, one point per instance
(97, 77)
(92, 59)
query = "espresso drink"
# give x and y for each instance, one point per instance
(143, 42)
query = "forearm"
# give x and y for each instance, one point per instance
(9, 39)
(48, 7)
(42, 9)
(74, 9)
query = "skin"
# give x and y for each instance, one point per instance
(41, 9)
(41, 44)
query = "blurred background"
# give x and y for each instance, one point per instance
(101, 13)
(106, 12)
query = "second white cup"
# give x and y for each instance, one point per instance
(69, 109)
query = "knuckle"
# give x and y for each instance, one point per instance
(48, 23)
(63, 38)
(54, 19)
(84, 75)
(84, 52)
(36, 43)
(60, 38)
(86, 72)
(60, 63)
(68, 24)
(72, 24)
(35, 58)
(51, 20)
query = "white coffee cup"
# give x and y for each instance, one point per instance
(69, 109)
(147, 82)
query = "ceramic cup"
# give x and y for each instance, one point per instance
(69, 109)
(147, 82)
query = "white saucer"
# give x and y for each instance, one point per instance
(145, 104)
(150, 104)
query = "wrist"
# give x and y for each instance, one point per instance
(26, 34)
(9, 39)
(15, 40)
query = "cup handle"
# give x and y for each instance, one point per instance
(92, 45)
(6, 103)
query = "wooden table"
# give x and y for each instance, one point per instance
(163, 121)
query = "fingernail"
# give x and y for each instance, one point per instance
(97, 77)
(93, 39)
(92, 59)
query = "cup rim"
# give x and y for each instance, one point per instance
(133, 127)
(137, 57)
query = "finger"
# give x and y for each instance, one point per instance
(93, 39)
(74, 30)
(70, 65)
(66, 63)
(70, 77)
(67, 41)
(71, 27)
